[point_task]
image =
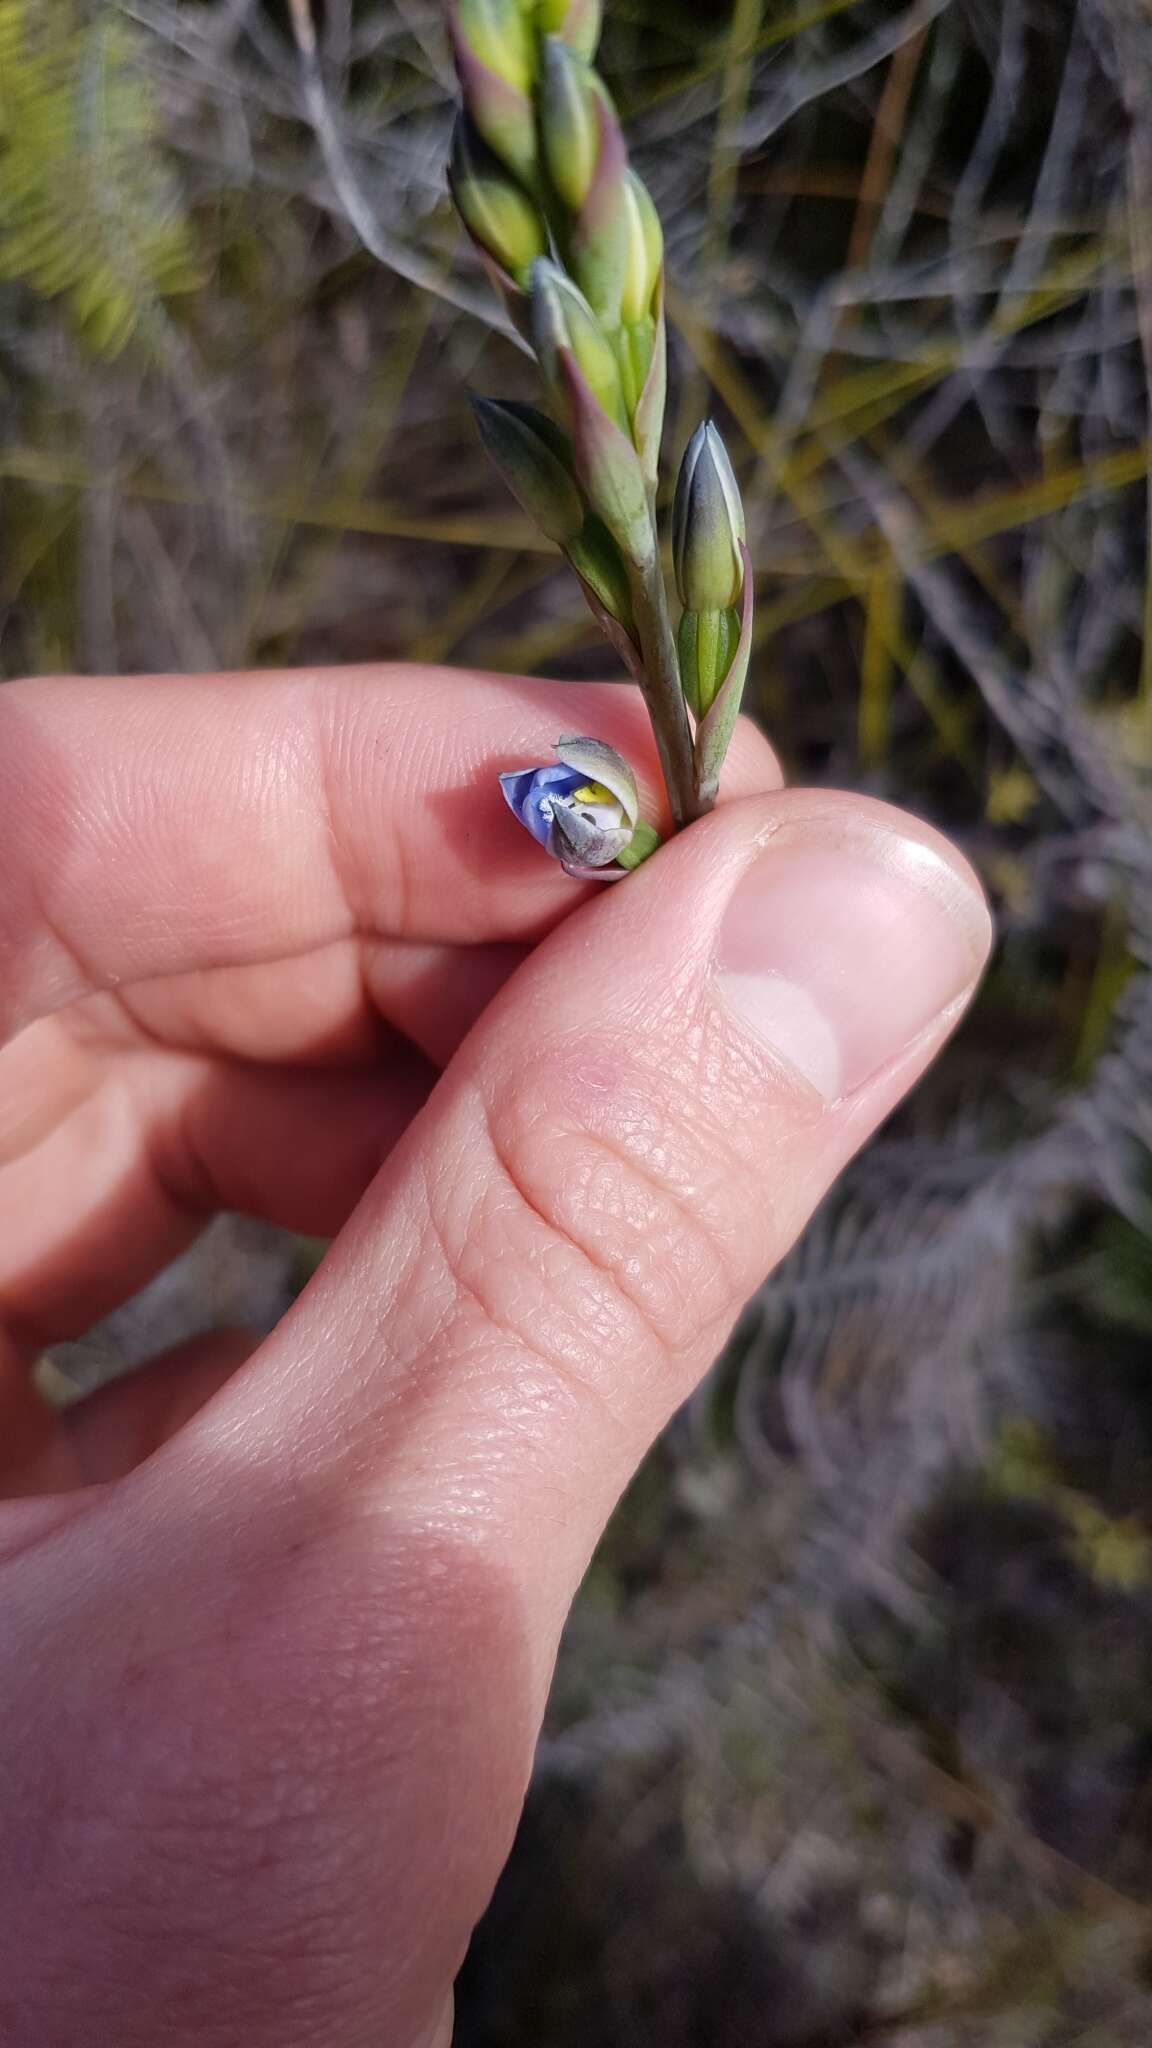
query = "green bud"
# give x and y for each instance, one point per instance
(707, 526)
(596, 241)
(644, 258)
(535, 460)
(706, 643)
(500, 37)
(494, 208)
(562, 320)
(576, 21)
(608, 469)
(569, 129)
(495, 55)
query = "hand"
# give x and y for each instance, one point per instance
(278, 1628)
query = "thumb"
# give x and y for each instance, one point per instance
(634, 1133)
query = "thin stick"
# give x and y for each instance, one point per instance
(360, 213)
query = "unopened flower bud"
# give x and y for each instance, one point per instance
(568, 126)
(589, 165)
(493, 206)
(497, 33)
(644, 252)
(585, 810)
(707, 526)
(535, 460)
(495, 51)
(563, 321)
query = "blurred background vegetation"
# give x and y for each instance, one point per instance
(852, 1735)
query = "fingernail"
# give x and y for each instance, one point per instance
(843, 942)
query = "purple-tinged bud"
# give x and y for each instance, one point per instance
(707, 526)
(569, 129)
(597, 239)
(498, 34)
(495, 60)
(494, 206)
(608, 469)
(563, 323)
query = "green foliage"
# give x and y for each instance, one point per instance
(89, 208)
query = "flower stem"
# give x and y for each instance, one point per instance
(660, 682)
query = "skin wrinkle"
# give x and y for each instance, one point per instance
(663, 1129)
(513, 1127)
(110, 1122)
(70, 963)
(41, 1083)
(686, 1281)
(186, 1184)
(330, 737)
(522, 1334)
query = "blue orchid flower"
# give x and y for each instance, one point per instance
(584, 810)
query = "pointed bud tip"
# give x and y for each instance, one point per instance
(534, 459)
(708, 527)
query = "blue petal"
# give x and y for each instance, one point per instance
(516, 786)
(527, 789)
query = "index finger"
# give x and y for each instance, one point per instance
(155, 825)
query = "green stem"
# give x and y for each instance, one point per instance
(643, 843)
(663, 695)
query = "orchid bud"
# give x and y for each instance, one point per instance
(569, 130)
(499, 36)
(577, 21)
(588, 165)
(644, 257)
(495, 53)
(581, 370)
(608, 469)
(707, 526)
(493, 206)
(640, 338)
(563, 322)
(710, 557)
(584, 811)
(535, 460)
